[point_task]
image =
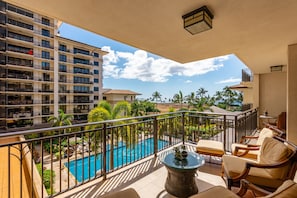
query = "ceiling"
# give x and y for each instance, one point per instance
(257, 32)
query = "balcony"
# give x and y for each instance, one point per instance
(16, 89)
(48, 24)
(20, 24)
(19, 114)
(19, 76)
(19, 102)
(83, 101)
(47, 101)
(86, 111)
(82, 92)
(48, 35)
(65, 146)
(46, 90)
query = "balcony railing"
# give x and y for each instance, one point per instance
(19, 76)
(70, 156)
(19, 102)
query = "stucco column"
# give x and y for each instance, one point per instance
(56, 71)
(292, 94)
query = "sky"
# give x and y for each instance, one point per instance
(126, 67)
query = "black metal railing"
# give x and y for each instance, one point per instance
(70, 156)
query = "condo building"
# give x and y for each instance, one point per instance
(41, 72)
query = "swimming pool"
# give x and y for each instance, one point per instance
(122, 155)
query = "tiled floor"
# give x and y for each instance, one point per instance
(147, 178)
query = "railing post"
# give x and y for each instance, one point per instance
(183, 126)
(111, 148)
(225, 131)
(155, 131)
(245, 124)
(104, 152)
(235, 128)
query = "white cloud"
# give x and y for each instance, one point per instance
(139, 65)
(188, 81)
(230, 80)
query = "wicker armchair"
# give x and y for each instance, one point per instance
(249, 146)
(276, 162)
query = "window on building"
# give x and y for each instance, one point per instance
(2, 18)
(96, 71)
(45, 43)
(2, 6)
(45, 32)
(96, 54)
(2, 59)
(81, 89)
(62, 47)
(45, 65)
(20, 11)
(45, 21)
(81, 51)
(96, 97)
(77, 79)
(81, 61)
(96, 88)
(2, 45)
(20, 24)
(45, 54)
(80, 70)
(62, 58)
(96, 80)
(96, 63)
(62, 68)
(62, 88)
(2, 31)
(62, 78)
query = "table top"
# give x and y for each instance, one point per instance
(193, 161)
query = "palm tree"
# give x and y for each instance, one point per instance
(104, 111)
(178, 98)
(201, 92)
(137, 108)
(156, 96)
(228, 95)
(218, 96)
(62, 119)
(191, 99)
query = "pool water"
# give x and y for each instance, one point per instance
(122, 155)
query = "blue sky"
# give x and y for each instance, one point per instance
(126, 67)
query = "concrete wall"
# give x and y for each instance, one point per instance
(272, 92)
(114, 98)
(251, 94)
(292, 94)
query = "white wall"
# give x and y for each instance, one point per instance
(273, 94)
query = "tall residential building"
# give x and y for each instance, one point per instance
(41, 72)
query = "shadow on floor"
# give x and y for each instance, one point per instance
(121, 180)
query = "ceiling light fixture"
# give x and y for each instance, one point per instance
(198, 20)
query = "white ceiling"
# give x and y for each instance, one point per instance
(256, 31)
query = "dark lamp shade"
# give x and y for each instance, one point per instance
(198, 20)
